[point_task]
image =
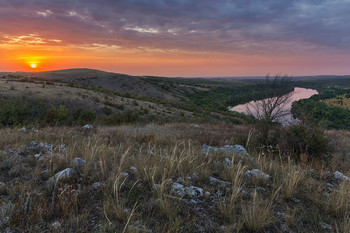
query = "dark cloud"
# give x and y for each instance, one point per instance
(241, 26)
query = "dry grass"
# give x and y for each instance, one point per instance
(228, 208)
(294, 181)
(338, 202)
(136, 167)
(61, 93)
(258, 213)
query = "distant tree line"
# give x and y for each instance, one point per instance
(330, 116)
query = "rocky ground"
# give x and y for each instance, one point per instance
(169, 178)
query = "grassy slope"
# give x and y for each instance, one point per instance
(164, 99)
(147, 86)
(293, 199)
(60, 93)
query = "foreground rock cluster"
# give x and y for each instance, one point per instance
(106, 185)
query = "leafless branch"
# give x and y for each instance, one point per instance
(273, 107)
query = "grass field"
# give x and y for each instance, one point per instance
(134, 178)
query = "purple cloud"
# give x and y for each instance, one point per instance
(241, 26)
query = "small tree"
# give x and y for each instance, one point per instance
(63, 115)
(86, 117)
(272, 109)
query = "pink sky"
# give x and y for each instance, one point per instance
(177, 38)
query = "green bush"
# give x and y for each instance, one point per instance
(51, 115)
(131, 116)
(21, 111)
(63, 115)
(15, 112)
(113, 119)
(87, 116)
(107, 111)
(308, 138)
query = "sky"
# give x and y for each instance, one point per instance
(187, 38)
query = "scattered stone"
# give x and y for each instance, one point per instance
(180, 180)
(257, 174)
(190, 191)
(24, 130)
(79, 162)
(63, 147)
(133, 169)
(296, 200)
(125, 174)
(340, 176)
(194, 176)
(207, 194)
(330, 186)
(87, 126)
(192, 202)
(56, 225)
(13, 152)
(219, 183)
(311, 171)
(97, 185)
(228, 162)
(285, 228)
(244, 193)
(38, 155)
(281, 214)
(137, 226)
(327, 175)
(261, 189)
(194, 191)
(178, 189)
(64, 175)
(325, 226)
(41, 147)
(219, 193)
(227, 150)
(197, 126)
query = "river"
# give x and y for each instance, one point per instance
(298, 94)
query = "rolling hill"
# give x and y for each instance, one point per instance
(122, 83)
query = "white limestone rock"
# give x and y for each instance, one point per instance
(65, 175)
(56, 225)
(256, 173)
(79, 162)
(340, 176)
(238, 150)
(325, 226)
(87, 127)
(190, 191)
(219, 183)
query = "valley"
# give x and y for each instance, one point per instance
(90, 151)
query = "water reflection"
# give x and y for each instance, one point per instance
(297, 94)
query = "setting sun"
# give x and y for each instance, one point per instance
(33, 65)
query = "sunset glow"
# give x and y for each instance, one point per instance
(177, 38)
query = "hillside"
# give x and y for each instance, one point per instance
(111, 81)
(58, 93)
(148, 99)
